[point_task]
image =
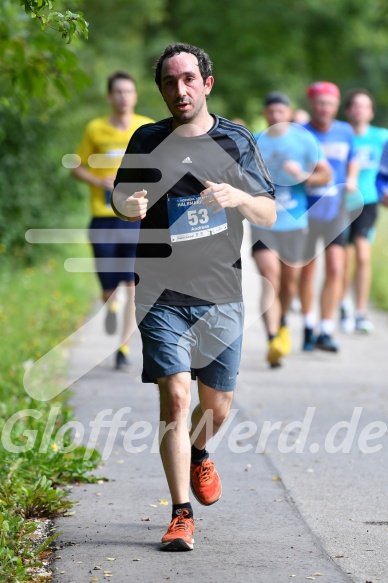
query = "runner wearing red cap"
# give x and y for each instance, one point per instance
(323, 88)
(326, 213)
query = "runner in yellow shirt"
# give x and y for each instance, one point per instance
(101, 150)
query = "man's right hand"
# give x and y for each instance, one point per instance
(135, 207)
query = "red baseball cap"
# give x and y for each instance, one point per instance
(323, 88)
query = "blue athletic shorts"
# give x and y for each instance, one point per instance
(116, 240)
(204, 340)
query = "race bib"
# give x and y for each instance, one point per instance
(189, 219)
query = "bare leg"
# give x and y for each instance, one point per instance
(307, 287)
(363, 273)
(109, 296)
(214, 407)
(332, 287)
(129, 314)
(269, 267)
(288, 286)
(348, 271)
(175, 443)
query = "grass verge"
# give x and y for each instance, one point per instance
(39, 307)
(379, 291)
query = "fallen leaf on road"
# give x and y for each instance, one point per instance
(145, 519)
(97, 568)
(154, 505)
(111, 558)
(318, 574)
(248, 467)
(340, 556)
(135, 559)
(278, 500)
(310, 471)
(163, 502)
(69, 513)
(292, 575)
(313, 578)
(276, 479)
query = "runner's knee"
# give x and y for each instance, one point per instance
(174, 397)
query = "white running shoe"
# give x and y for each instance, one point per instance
(346, 322)
(363, 325)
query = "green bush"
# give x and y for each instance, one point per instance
(37, 191)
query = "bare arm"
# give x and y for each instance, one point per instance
(83, 174)
(352, 175)
(320, 176)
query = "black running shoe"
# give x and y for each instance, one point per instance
(325, 342)
(310, 340)
(122, 360)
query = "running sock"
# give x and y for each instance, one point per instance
(177, 509)
(198, 456)
(283, 321)
(327, 327)
(359, 315)
(309, 320)
(271, 337)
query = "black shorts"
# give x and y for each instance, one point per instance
(114, 248)
(362, 224)
(289, 246)
(332, 232)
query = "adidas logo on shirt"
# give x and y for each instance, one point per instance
(187, 161)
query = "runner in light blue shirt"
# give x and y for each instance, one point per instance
(362, 206)
(294, 159)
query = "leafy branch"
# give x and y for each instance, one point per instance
(67, 24)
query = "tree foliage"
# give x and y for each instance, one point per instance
(255, 47)
(67, 24)
(38, 73)
(36, 68)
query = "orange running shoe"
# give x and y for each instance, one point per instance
(205, 483)
(179, 535)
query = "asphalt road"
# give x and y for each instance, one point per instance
(320, 512)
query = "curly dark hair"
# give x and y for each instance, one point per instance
(204, 62)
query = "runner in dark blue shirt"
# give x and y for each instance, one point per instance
(326, 216)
